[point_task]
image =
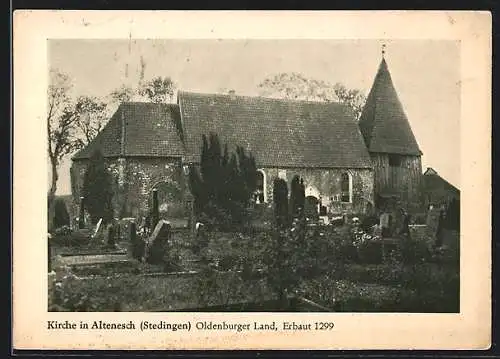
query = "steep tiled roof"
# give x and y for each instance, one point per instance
(383, 122)
(139, 129)
(277, 132)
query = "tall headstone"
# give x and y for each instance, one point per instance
(118, 234)
(81, 216)
(136, 244)
(111, 235)
(189, 200)
(157, 245)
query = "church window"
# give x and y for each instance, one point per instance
(346, 187)
(322, 210)
(260, 191)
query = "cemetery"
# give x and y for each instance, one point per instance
(182, 266)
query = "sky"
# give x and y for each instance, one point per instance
(426, 75)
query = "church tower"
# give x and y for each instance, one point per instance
(395, 153)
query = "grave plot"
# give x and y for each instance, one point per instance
(94, 259)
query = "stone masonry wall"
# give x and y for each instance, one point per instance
(146, 174)
(326, 183)
(133, 181)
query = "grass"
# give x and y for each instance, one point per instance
(428, 286)
(137, 292)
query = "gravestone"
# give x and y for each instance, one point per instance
(157, 245)
(111, 235)
(201, 238)
(97, 228)
(125, 224)
(136, 244)
(118, 228)
(81, 214)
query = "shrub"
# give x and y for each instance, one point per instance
(414, 251)
(346, 252)
(228, 262)
(370, 252)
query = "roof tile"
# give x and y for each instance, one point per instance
(383, 122)
(150, 130)
(277, 132)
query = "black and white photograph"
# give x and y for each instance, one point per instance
(254, 175)
(246, 180)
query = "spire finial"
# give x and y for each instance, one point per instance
(383, 50)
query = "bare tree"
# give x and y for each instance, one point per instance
(91, 116)
(295, 86)
(60, 128)
(71, 125)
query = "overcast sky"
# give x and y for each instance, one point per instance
(426, 75)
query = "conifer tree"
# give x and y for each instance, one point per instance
(223, 186)
(297, 197)
(97, 189)
(280, 196)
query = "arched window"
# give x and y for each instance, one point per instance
(346, 187)
(260, 191)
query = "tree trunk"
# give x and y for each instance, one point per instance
(52, 192)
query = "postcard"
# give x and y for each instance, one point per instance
(252, 180)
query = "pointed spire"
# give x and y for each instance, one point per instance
(383, 51)
(383, 122)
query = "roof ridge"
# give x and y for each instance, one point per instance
(277, 99)
(147, 103)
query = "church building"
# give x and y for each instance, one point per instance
(347, 165)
